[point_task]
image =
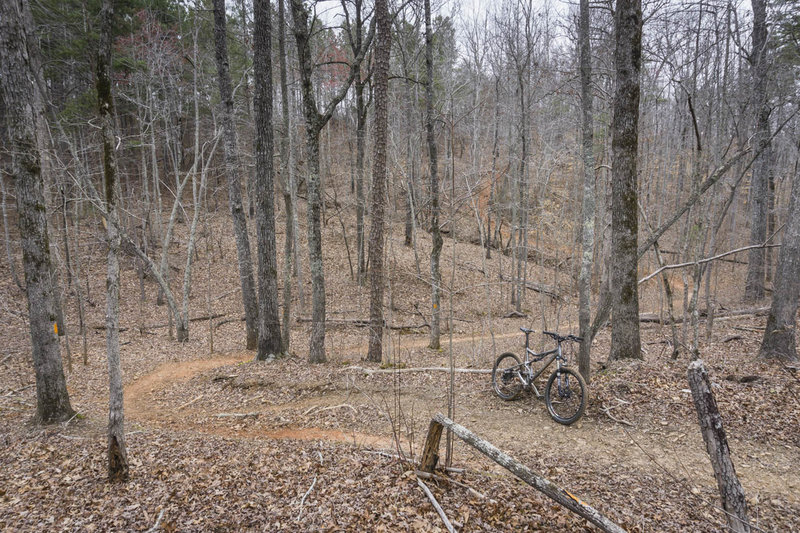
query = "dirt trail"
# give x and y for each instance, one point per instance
(641, 450)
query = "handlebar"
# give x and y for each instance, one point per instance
(558, 338)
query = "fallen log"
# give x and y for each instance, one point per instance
(730, 490)
(541, 288)
(418, 369)
(655, 318)
(362, 323)
(543, 485)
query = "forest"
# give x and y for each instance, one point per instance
(399, 265)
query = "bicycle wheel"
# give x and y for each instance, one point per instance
(565, 396)
(505, 376)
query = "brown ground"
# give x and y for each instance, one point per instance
(637, 455)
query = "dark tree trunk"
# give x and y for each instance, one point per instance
(779, 337)
(625, 340)
(436, 250)
(117, 454)
(376, 233)
(588, 207)
(232, 173)
(759, 188)
(269, 331)
(16, 75)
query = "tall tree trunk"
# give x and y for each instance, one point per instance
(436, 250)
(779, 337)
(232, 173)
(376, 233)
(117, 454)
(625, 339)
(269, 331)
(287, 175)
(315, 121)
(16, 74)
(759, 189)
(588, 204)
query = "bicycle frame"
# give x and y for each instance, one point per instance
(528, 376)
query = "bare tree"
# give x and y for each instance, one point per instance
(376, 232)
(779, 337)
(315, 121)
(436, 234)
(588, 207)
(117, 454)
(232, 173)
(269, 330)
(760, 182)
(625, 339)
(17, 53)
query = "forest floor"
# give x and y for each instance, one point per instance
(219, 442)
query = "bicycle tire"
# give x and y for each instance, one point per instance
(509, 385)
(566, 401)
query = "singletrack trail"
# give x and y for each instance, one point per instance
(678, 450)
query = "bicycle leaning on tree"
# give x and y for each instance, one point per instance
(565, 393)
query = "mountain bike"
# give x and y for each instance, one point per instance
(565, 393)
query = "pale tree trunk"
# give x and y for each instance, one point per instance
(234, 182)
(287, 175)
(625, 339)
(436, 250)
(376, 233)
(588, 204)
(269, 329)
(759, 189)
(117, 454)
(16, 75)
(315, 121)
(779, 337)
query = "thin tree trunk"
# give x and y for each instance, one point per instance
(238, 218)
(376, 233)
(436, 250)
(117, 454)
(287, 176)
(625, 339)
(588, 204)
(16, 73)
(270, 343)
(759, 189)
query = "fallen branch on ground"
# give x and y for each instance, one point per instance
(417, 369)
(430, 456)
(436, 505)
(303, 500)
(238, 415)
(364, 323)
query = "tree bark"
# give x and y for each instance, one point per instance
(232, 173)
(436, 234)
(269, 330)
(287, 175)
(16, 85)
(588, 203)
(625, 339)
(376, 233)
(730, 490)
(315, 121)
(117, 454)
(759, 187)
(779, 337)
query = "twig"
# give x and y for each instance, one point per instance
(157, 524)
(472, 491)
(303, 500)
(11, 393)
(436, 506)
(330, 407)
(607, 411)
(190, 402)
(6, 358)
(238, 415)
